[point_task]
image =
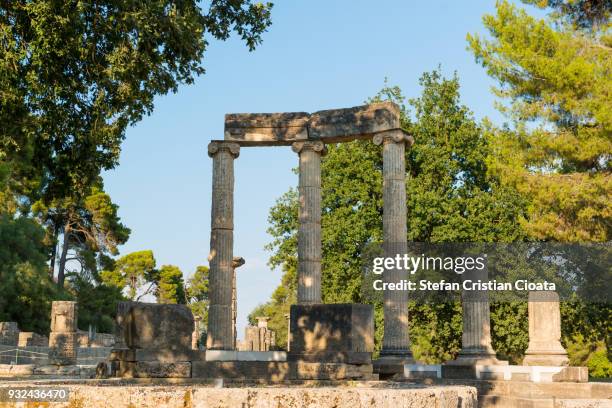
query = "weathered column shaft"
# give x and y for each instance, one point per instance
(476, 337)
(309, 233)
(221, 246)
(396, 340)
(476, 348)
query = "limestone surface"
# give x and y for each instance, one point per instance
(329, 126)
(160, 327)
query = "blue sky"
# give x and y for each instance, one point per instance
(316, 55)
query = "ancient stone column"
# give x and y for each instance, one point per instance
(221, 246)
(237, 262)
(396, 340)
(545, 347)
(476, 346)
(309, 233)
(63, 337)
(195, 336)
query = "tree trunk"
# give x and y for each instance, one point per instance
(53, 250)
(62, 261)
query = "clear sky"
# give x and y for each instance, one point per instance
(316, 55)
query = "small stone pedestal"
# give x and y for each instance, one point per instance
(545, 347)
(63, 339)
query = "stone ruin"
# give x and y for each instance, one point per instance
(156, 341)
(31, 339)
(63, 339)
(258, 338)
(326, 341)
(9, 333)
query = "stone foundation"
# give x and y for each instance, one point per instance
(535, 374)
(277, 371)
(201, 396)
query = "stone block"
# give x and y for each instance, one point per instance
(241, 370)
(572, 374)
(329, 126)
(154, 369)
(64, 316)
(9, 333)
(158, 327)
(360, 121)
(266, 128)
(16, 370)
(232, 355)
(333, 371)
(31, 339)
(162, 356)
(63, 348)
(340, 333)
(280, 371)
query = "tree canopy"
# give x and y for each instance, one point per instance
(555, 78)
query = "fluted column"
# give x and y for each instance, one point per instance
(221, 246)
(309, 233)
(476, 345)
(396, 340)
(545, 347)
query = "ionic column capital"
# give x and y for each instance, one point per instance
(315, 146)
(393, 136)
(215, 147)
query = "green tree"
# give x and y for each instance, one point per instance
(170, 286)
(26, 291)
(450, 198)
(97, 303)
(132, 271)
(555, 76)
(197, 295)
(89, 227)
(73, 76)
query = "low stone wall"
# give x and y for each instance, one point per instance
(202, 396)
(40, 355)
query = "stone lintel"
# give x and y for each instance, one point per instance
(336, 125)
(328, 126)
(266, 128)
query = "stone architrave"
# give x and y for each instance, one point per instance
(545, 347)
(63, 339)
(396, 340)
(328, 126)
(9, 333)
(476, 348)
(237, 262)
(309, 232)
(219, 333)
